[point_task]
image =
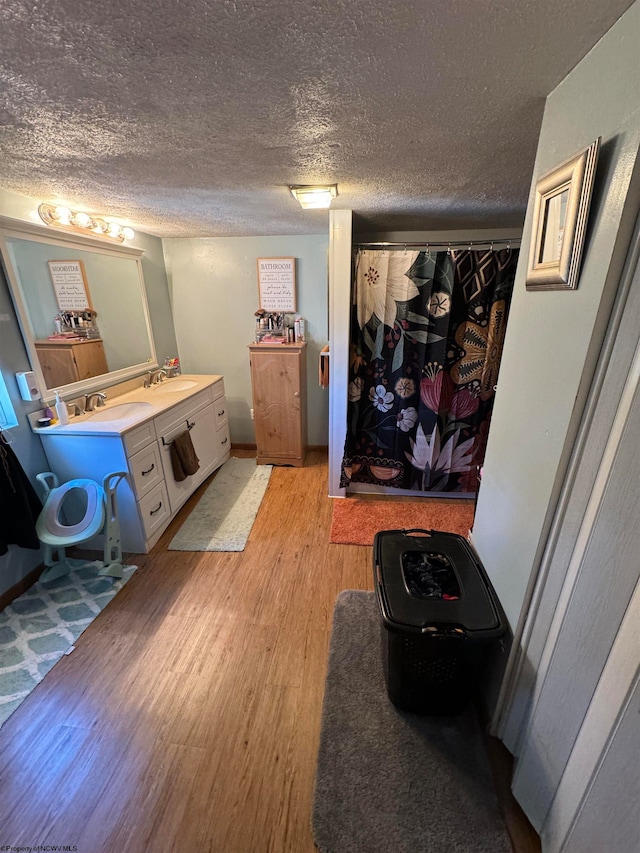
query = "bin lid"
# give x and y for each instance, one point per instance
(465, 601)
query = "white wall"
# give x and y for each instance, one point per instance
(214, 289)
(553, 338)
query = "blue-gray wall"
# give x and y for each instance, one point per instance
(554, 337)
(214, 289)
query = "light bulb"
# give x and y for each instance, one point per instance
(62, 214)
(82, 220)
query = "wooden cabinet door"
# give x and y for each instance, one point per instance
(63, 363)
(279, 404)
(58, 365)
(90, 359)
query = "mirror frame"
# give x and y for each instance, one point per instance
(18, 229)
(575, 175)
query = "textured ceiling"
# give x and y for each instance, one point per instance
(192, 117)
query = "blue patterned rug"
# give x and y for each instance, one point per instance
(43, 624)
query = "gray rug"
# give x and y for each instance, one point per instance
(223, 517)
(391, 781)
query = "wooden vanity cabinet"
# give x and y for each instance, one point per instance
(279, 386)
(63, 362)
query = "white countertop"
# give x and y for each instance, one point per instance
(159, 398)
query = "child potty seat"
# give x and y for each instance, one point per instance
(52, 530)
(100, 517)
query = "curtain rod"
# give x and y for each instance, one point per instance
(505, 243)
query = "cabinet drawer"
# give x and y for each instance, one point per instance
(217, 389)
(139, 437)
(154, 509)
(220, 409)
(146, 469)
(223, 441)
(176, 418)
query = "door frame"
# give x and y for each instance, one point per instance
(544, 603)
(578, 779)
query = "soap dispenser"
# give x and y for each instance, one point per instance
(61, 410)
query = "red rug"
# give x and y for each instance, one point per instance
(355, 521)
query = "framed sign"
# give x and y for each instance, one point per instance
(277, 284)
(560, 216)
(70, 284)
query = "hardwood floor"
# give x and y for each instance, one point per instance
(187, 717)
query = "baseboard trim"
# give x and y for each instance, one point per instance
(311, 448)
(22, 586)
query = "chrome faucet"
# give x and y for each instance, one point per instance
(95, 399)
(154, 377)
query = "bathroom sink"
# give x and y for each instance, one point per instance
(120, 411)
(170, 386)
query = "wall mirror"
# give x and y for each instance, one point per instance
(73, 347)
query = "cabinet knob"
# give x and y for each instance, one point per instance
(296, 393)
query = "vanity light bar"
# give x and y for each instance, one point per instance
(59, 216)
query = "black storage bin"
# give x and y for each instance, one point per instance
(440, 616)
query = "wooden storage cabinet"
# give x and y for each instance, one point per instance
(279, 385)
(152, 498)
(63, 362)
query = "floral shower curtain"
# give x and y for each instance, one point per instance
(427, 330)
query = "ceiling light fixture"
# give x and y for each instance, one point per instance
(314, 198)
(59, 216)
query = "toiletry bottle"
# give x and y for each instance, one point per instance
(49, 414)
(61, 410)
